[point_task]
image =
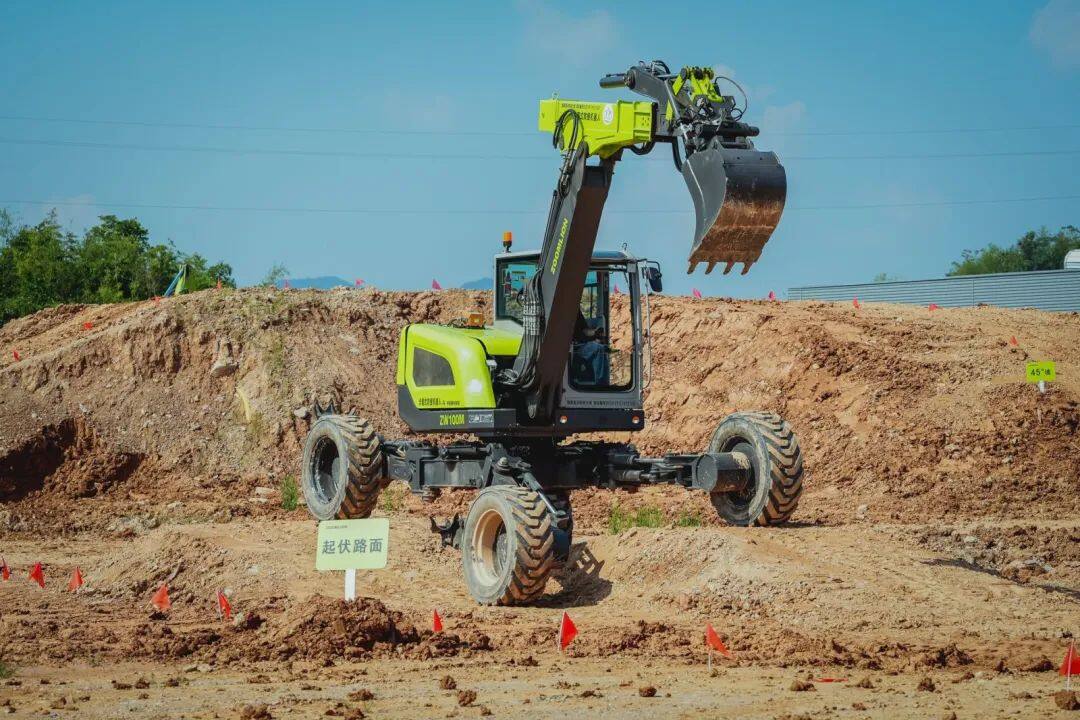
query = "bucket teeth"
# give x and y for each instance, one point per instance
(738, 198)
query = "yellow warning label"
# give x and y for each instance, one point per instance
(1043, 370)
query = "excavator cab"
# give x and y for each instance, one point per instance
(605, 363)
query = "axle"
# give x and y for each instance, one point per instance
(548, 467)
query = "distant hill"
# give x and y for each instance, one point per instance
(319, 283)
(484, 283)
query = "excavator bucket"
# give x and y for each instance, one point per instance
(738, 196)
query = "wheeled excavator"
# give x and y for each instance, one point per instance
(567, 351)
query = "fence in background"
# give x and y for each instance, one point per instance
(1057, 290)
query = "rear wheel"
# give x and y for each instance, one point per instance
(508, 546)
(342, 468)
(773, 492)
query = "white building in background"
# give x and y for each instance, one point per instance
(1072, 260)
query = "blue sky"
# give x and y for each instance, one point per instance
(415, 71)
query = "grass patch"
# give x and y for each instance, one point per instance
(290, 493)
(392, 499)
(6, 670)
(275, 356)
(621, 520)
(689, 519)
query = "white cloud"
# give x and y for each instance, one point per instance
(560, 37)
(782, 118)
(1055, 30)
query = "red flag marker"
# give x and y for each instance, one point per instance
(160, 599)
(697, 293)
(715, 642)
(76, 581)
(88, 326)
(223, 606)
(772, 295)
(157, 300)
(617, 291)
(435, 284)
(831, 679)
(5, 571)
(1012, 341)
(436, 621)
(567, 632)
(38, 575)
(1071, 664)
(286, 285)
(933, 307)
(15, 353)
(358, 282)
(219, 284)
(855, 302)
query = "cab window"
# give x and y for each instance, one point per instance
(430, 369)
(601, 354)
(514, 276)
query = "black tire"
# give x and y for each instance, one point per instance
(342, 468)
(777, 464)
(508, 546)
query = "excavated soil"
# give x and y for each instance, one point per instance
(936, 544)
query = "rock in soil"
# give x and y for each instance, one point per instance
(1066, 700)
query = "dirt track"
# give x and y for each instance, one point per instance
(938, 536)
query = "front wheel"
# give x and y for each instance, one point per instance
(342, 468)
(773, 492)
(508, 548)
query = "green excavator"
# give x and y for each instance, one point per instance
(568, 352)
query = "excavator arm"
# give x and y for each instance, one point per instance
(738, 195)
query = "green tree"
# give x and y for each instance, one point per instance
(37, 267)
(114, 261)
(274, 275)
(1039, 250)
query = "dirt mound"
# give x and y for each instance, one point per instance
(203, 399)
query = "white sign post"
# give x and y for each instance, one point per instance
(352, 545)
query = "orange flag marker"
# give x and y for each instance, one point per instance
(855, 302)
(772, 295)
(567, 631)
(88, 326)
(715, 643)
(76, 581)
(358, 282)
(697, 293)
(223, 606)
(37, 574)
(436, 621)
(160, 599)
(5, 571)
(435, 284)
(1070, 665)
(15, 353)
(1012, 341)
(933, 306)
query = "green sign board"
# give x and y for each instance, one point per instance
(352, 544)
(1041, 371)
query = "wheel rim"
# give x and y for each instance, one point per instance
(490, 545)
(325, 462)
(741, 499)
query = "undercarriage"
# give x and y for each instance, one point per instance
(520, 526)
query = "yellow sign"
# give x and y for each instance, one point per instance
(1041, 371)
(352, 544)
